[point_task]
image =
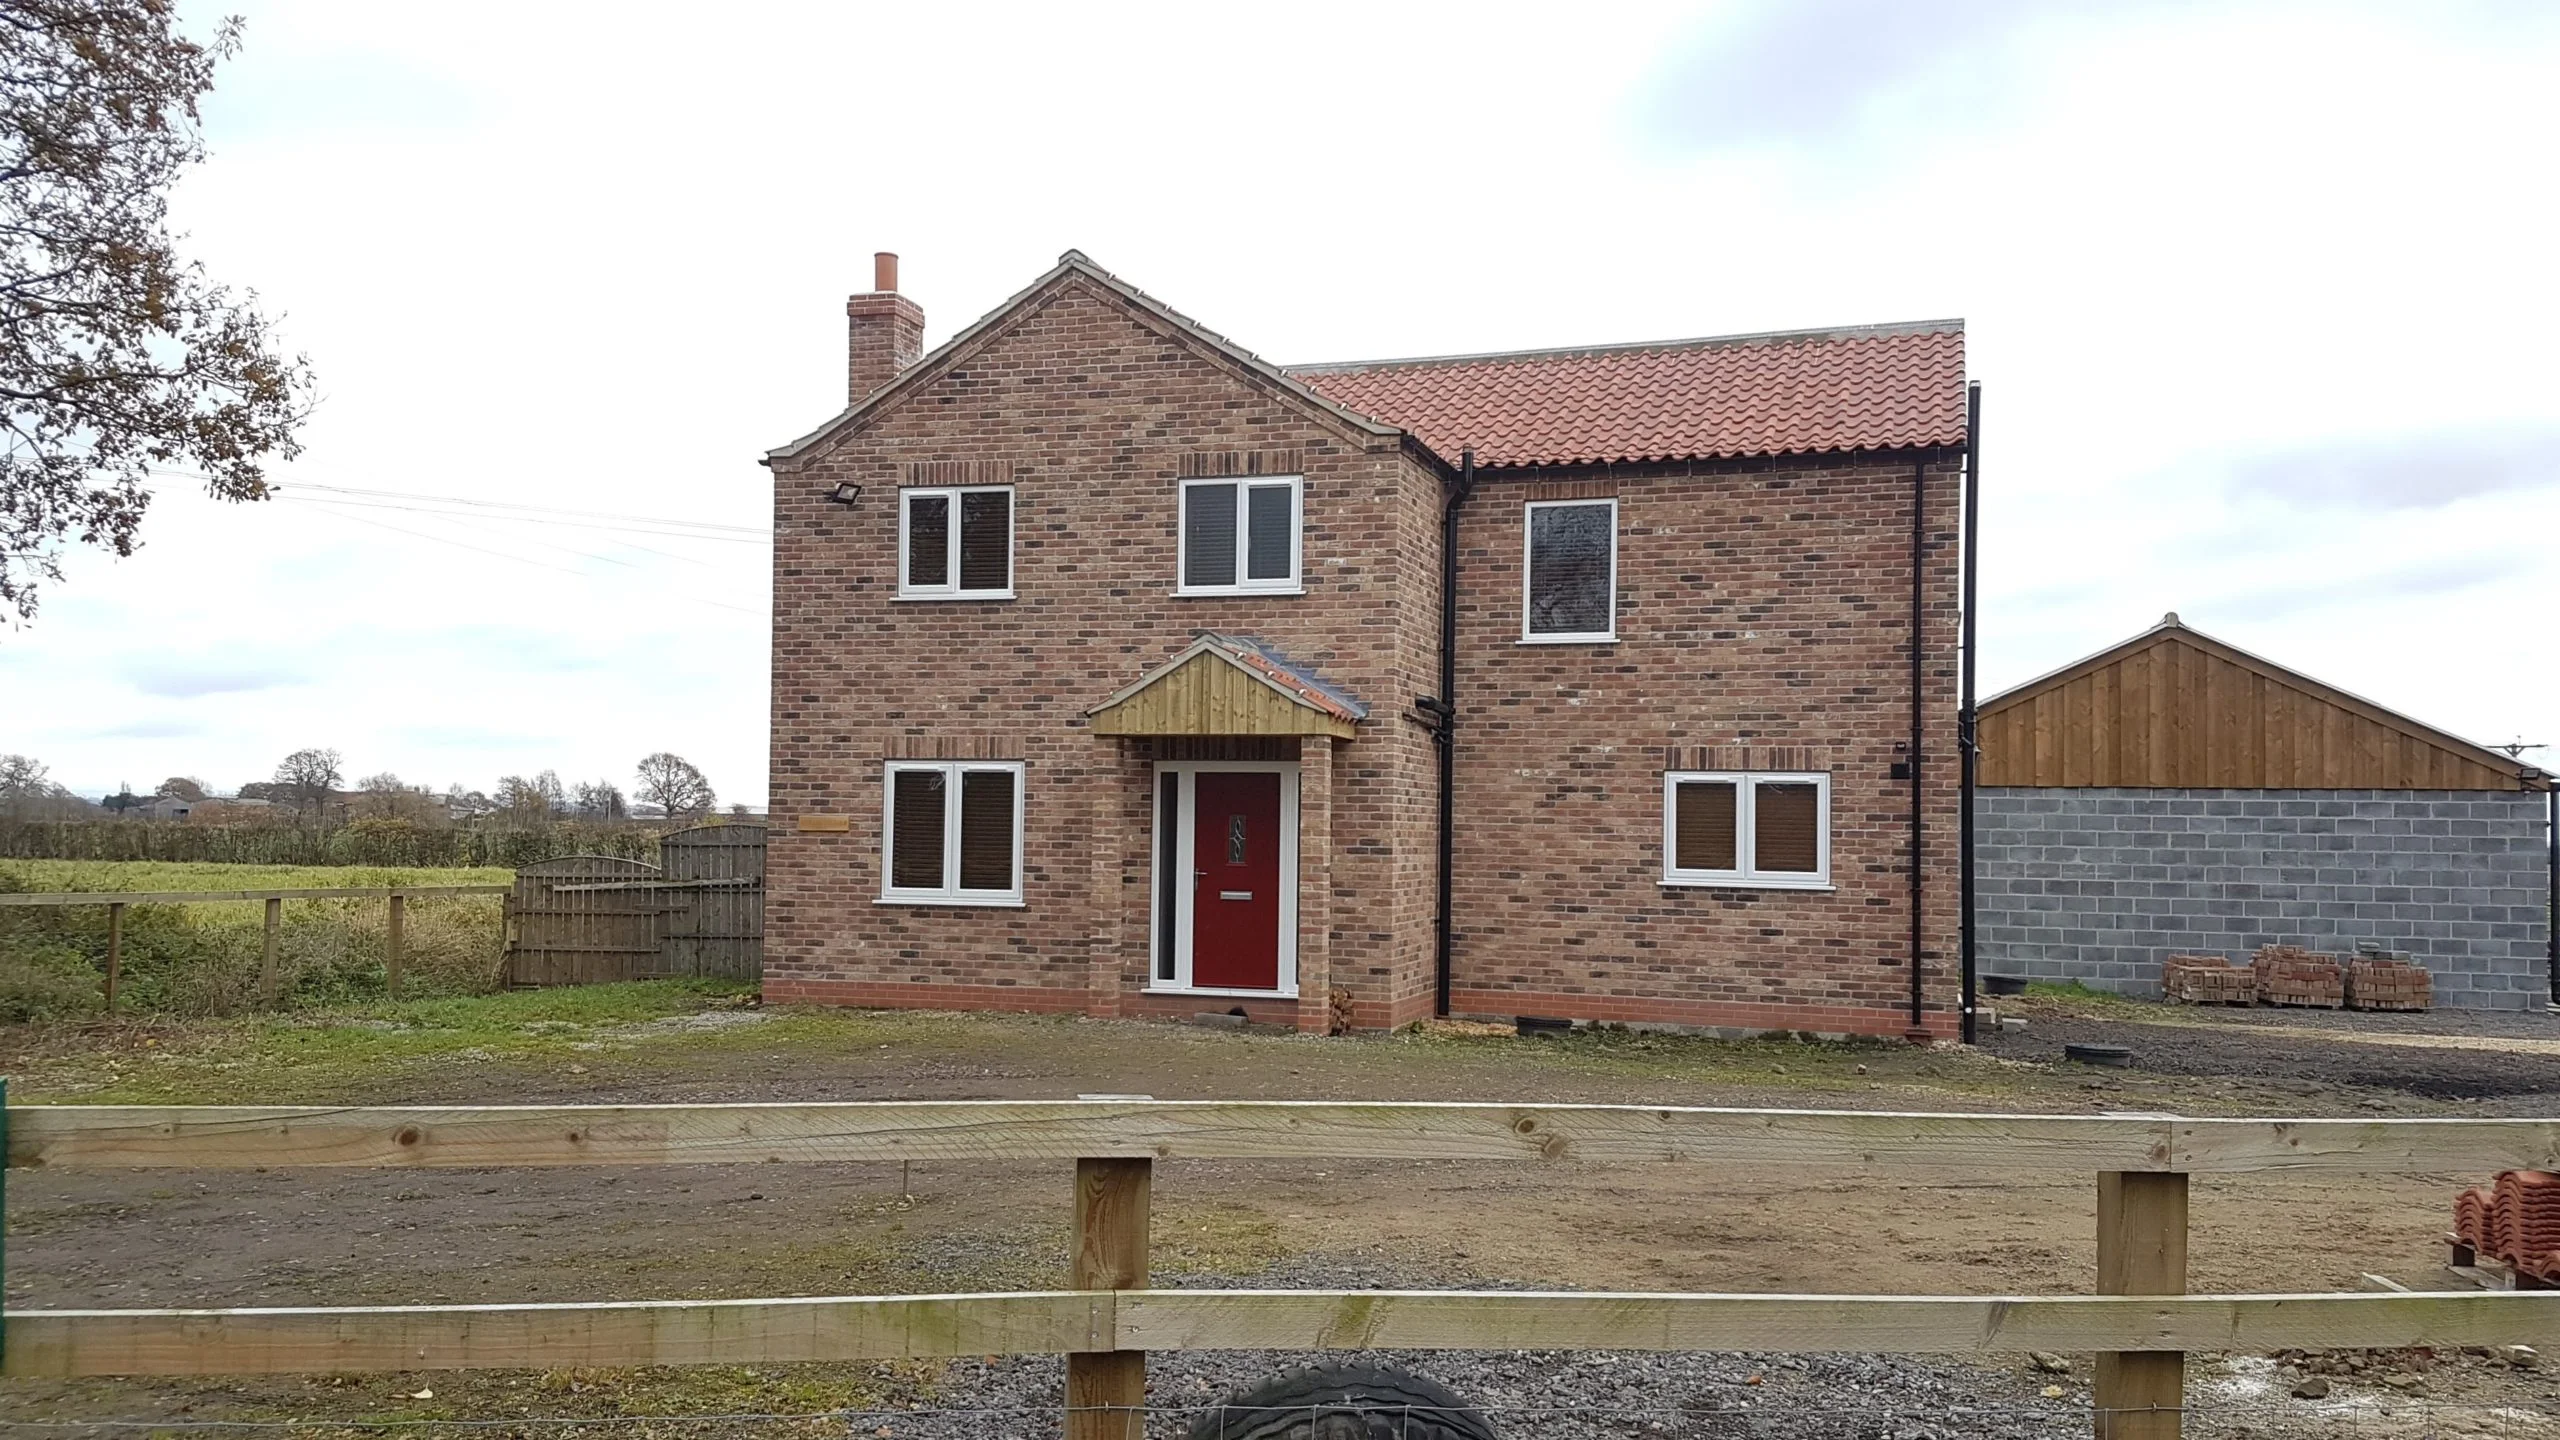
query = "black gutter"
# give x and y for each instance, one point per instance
(1968, 743)
(1919, 570)
(1443, 711)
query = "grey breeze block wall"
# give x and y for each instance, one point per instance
(2099, 885)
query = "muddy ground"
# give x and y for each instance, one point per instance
(317, 1237)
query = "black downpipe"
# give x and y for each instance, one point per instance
(1919, 554)
(1444, 714)
(2551, 923)
(1968, 743)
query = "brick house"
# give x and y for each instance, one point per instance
(1108, 665)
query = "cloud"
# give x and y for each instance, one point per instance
(184, 680)
(2422, 579)
(2408, 472)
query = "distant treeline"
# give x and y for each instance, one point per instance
(362, 842)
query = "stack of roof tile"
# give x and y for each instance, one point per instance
(2378, 982)
(2516, 1220)
(2291, 975)
(2208, 980)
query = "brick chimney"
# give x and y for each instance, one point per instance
(885, 331)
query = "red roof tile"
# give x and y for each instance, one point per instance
(1875, 387)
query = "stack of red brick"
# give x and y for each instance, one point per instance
(2381, 983)
(2207, 980)
(2516, 1220)
(2291, 975)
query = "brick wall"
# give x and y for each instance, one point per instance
(1092, 411)
(1764, 623)
(2098, 885)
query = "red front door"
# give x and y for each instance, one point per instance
(1235, 895)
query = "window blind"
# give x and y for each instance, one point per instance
(1703, 826)
(928, 540)
(915, 825)
(1786, 818)
(1270, 532)
(986, 830)
(986, 540)
(1209, 535)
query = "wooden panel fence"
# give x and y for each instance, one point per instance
(1110, 1320)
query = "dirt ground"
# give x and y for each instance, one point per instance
(133, 1239)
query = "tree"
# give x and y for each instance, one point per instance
(461, 804)
(307, 779)
(600, 800)
(533, 800)
(119, 358)
(181, 787)
(384, 795)
(28, 790)
(670, 782)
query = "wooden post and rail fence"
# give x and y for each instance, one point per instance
(2140, 1325)
(269, 987)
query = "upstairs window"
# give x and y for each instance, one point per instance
(953, 833)
(1240, 536)
(956, 544)
(1569, 588)
(1722, 828)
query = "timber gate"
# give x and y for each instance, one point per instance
(585, 919)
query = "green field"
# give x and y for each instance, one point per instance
(203, 959)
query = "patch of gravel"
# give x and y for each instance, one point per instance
(697, 1022)
(2501, 1080)
(1540, 1395)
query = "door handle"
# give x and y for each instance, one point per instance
(1235, 894)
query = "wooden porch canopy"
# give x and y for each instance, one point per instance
(2175, 708)
(1226, 685)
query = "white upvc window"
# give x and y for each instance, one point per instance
(1569, 572)
(1758, 829)
(1239, 535)
(956, 543)
(951, 832)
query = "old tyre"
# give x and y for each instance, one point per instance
(1343, 1402)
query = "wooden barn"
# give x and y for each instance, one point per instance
(2177, 794)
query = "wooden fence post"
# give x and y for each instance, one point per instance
(391, 936)
(2142, 1250)
(115, 951)
(267, 956)
(1107, 1390)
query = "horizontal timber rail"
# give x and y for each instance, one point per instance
(2140, 1326)
(210, 897)
(248, 1137)
(68, 1343)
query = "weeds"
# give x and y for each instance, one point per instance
(205, 959)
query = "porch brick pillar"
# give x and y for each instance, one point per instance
(1315, 884)
(1108, 832)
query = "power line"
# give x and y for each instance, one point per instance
(747, 530)
(523, 559)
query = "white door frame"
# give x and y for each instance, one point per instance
(1185, 830)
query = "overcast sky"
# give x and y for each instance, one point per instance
(2261, 297)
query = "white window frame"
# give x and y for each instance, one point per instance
(1747, 785)
(950, 495)
(1528, 549)
(1185, 775)
(1294, 584)
(950, 892)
